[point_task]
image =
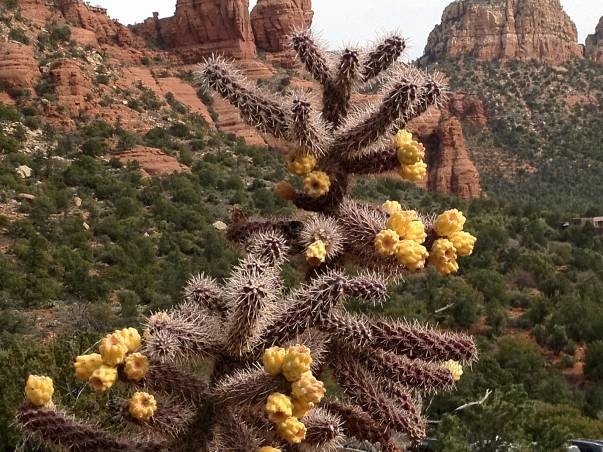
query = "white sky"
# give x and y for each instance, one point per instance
(357, 21)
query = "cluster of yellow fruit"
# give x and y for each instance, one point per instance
(39, 390)
(405, 235)
(455, 369)
(410, 155)
(294, 363)
(100, 370)
(316, 183)
(316, 253)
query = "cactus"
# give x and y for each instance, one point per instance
(267, 346)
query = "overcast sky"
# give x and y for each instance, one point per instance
(356, 21)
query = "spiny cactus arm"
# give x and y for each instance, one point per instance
(233, 434)
(241, 229)
(170, 419)
(362, 387)
(251, 292)
(328, 203)
(307, 128)
(416, 374)
(336, 98)
(360, 425)
(352, 330)
(256, 109)
(180, 384)
(324, 432)
(204, 291)
(269, 245)
(421, 342)
(249, 386)
(382, 161)
(327, 230)
(361, 223)
(53, 426)
(382, 57)
(311, 56)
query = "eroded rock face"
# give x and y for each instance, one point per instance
(152, 161)
(274, 20)
(18, 67)
(505, 30)
(71, 86)
(594, 44)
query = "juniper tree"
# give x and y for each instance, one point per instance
(234, 366)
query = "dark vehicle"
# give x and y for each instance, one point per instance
(587, 445)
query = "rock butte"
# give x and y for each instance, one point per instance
(594, 44)
(505, 30)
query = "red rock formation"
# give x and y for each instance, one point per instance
(152, 161)
(594, 44)
(274, 20)
(468, 108)
(18, 67)
(36, 11)
(505, 30)
(84, 37)
(71, 86)
(200, 28)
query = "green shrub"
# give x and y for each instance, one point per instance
(17, 34)
(9, 113)
(593, 360)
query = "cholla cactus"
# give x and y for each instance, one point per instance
(266, 346)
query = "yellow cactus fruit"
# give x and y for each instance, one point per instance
(386, 242)
(449, 222)
(316, 253)
(390, 207)
(268, 449)
(413, 173)
(400, 220)
(308, 389)
(415, 231)
(463, 243)
(297, 362)
(273, 358)
(443, 257)
(402, 138)
(455, 369)
(317, 184)
(39, 390)
(292, 430)
(301, 408)
(411, 153)
(113, 349)
(86, 364)
(411, 255)
(130, 337)
(278, 407)
(301, 165)
(285, 190)
(103, 378)
(136, 366)
(142, 406)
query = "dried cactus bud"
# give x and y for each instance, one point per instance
(302, 165)
(130, 337)
(455, 368)
(113, 349)
(136, 366)
(292, 430)
(103, 378)
(84, 365)
(285, 190)
(399, 221)
(449, 222)
(386, 242)
(278, 407)
(317, 184)
(297, 362)
(301, 408)
(411, 255)
(39, 390)
(415, 231)
(142, 406)
(413, 173)
(316, 253)
(411, 153)
(273, 359)
(308, 389)
(463, 243)
(443, 257)
(391, 207)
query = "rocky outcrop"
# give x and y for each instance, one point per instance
(71, 87)
(18, 67)
(594, 44)
(200, 28)
(505, 30)
(274, 20)
(152, 161)
(469, 108)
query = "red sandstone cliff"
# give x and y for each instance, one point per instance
(18, 67)
(594, 44)
(505, 30)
